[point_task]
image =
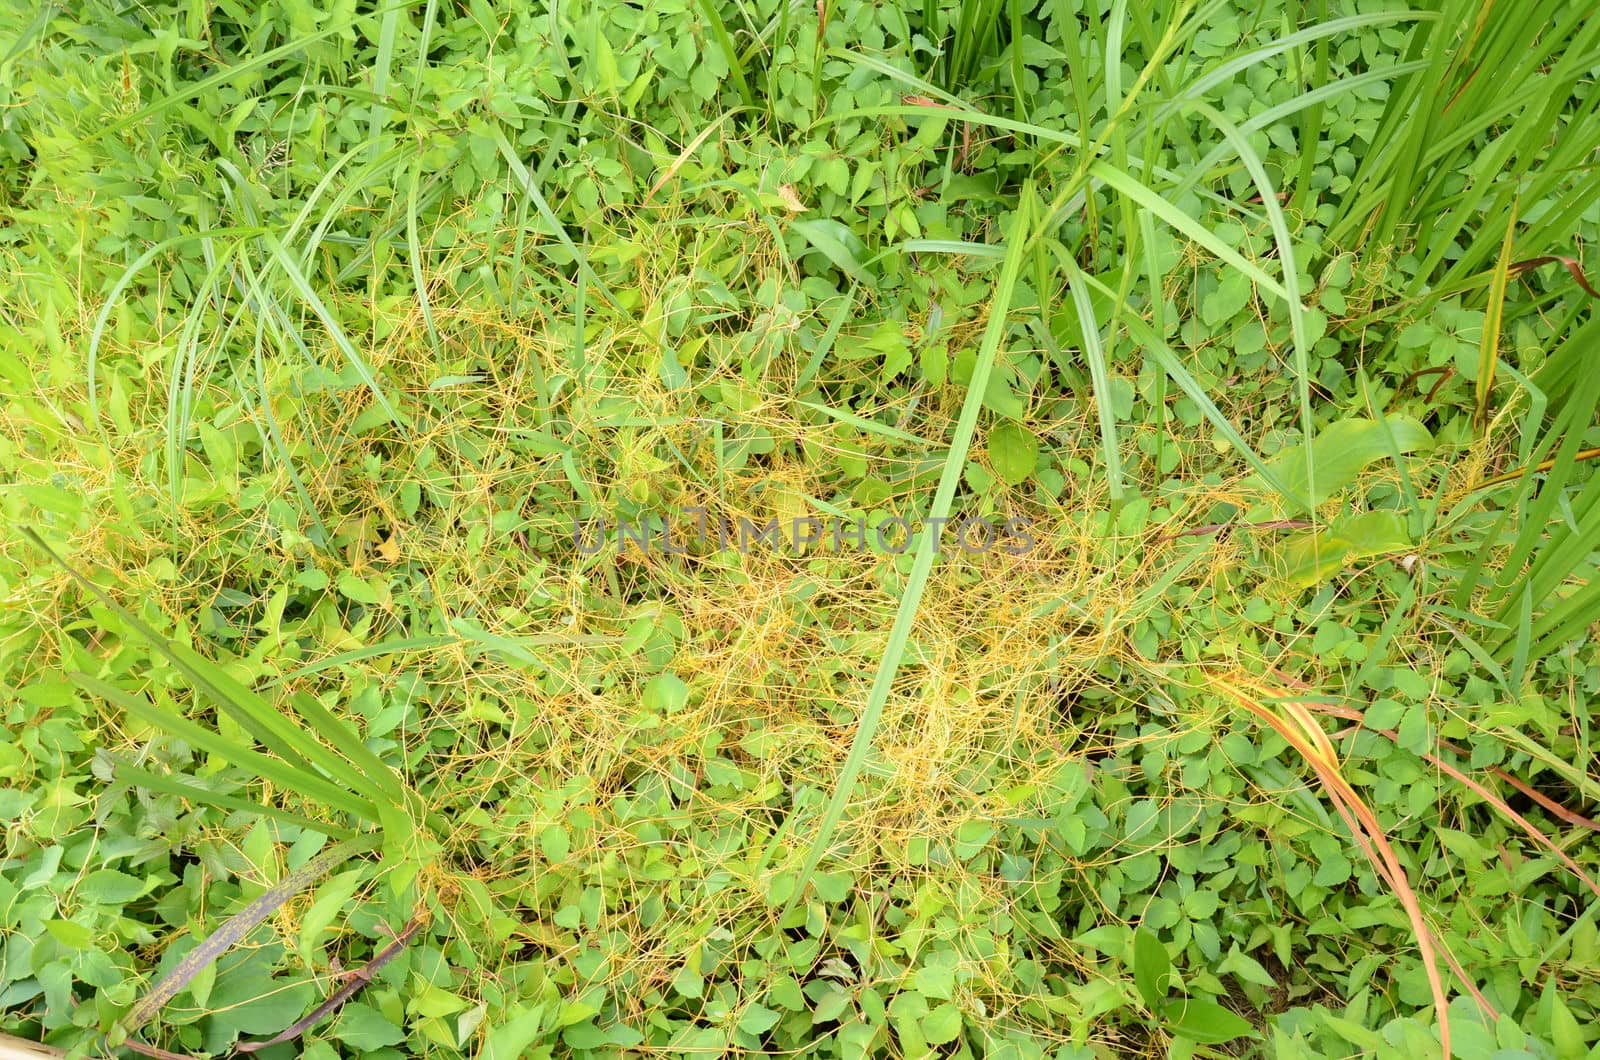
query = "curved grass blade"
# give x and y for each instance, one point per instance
(371, 651)
(1099, 377)
(1293, 722)
(414, 257)
(102, 318)
(297, 748)
(1158, 348)
(302, 287)
(529, 185)
(905, 616)
(1226, 71)
(1568, 262)
(1291, 277)
(1493, 315)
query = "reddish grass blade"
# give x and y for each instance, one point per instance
(358, 982)
(1570, 263)
(1297, 725)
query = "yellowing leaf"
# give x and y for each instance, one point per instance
(791, 200)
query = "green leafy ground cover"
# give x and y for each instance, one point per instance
(323, 324)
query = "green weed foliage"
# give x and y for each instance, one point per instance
(324, 323)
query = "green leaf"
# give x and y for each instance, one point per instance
(1227, 301)
(1311, 556)
(1341, 451)
(70, 933)
(1246, 968)
(1000, 396)
(364, 1029)
(292, 778)
(556, 843)
(666, 694)
(256, 1001)
(895, 649)
(942, 1025)
(834, 241)
(758, 1019)
(1205, 1022)
(332, 897)
(1566, 1034)
(1013, 451)
(235, 928)
(110, 887)
(1152, 968)
(510, 1039)
(357, 589)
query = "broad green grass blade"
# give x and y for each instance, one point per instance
(174, 785)
(870, 426)
(113, 298)
(299, 749)
(388, 28)
(1489, 340)
(199, 88)
(719, 33)
(1158, 348)
(1099, 376)
(916, 582)
(379, 781)
(371, 651)
(291, 778)
(529, 187)
(1291, 277)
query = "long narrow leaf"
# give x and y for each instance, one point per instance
(286, 776)
(172, 785)
(905, 615)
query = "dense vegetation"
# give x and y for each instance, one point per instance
(337, 340)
